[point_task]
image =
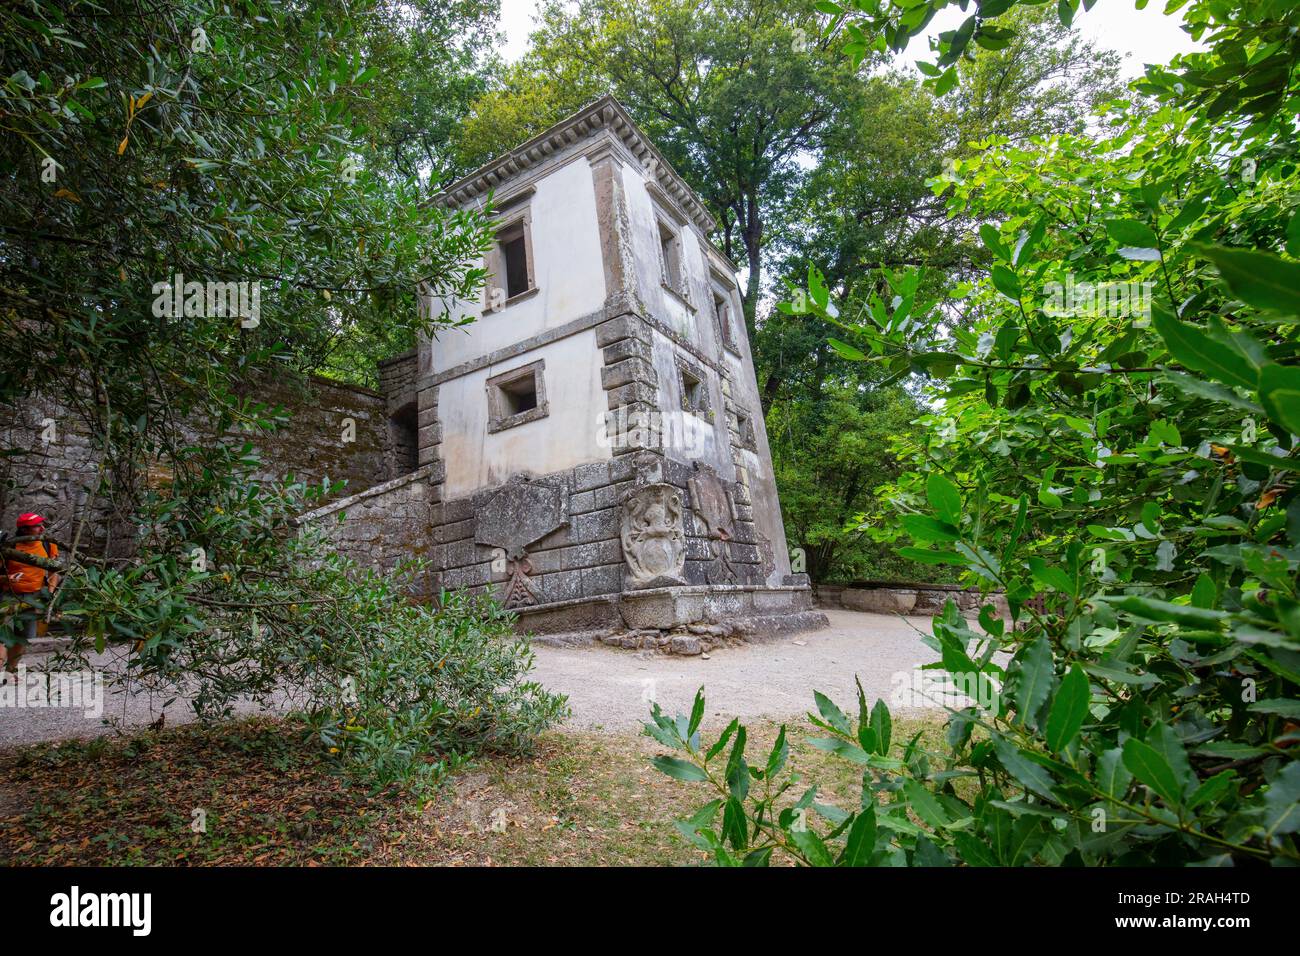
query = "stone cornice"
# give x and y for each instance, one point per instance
(605, 113)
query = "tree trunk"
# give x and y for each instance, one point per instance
(752, 236)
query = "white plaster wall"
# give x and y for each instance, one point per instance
(690, 438)
(695, 325)
(565, 438)
(567, 268)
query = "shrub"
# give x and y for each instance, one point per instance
(1124, 468)
(226, 600)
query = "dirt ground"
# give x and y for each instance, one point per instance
(610, 690)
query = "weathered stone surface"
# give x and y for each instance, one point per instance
(654, 542)
(623, 327)
(587, 477)
(711, 503)
(879, 600)
(519, 514)
(606, 579)
(685, 645)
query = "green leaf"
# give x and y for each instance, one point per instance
(944, 498)
(1069, 709)
(1112, 775)
(697, 713)
(1259, 279)
(1282, 802)
(924, 805)
(992, 240)
(973, 852)
(1154, 610)
(1204, 593)
(1151, 768)
(1211, 789)
(812, 847)
(926, 556)
(1051, 576)
(925, 528)
(1005, 281)
(780, 753)
(1280, 706)
(1035, 679)
(881, 726)
(1031, 775)
(861, 841)
(679, 769)
(1130, 232)
(832, 714)
(847, 351)
(737, 768)
(1279, 393)
(1194, 349)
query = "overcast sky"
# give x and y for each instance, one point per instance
(1146, 36)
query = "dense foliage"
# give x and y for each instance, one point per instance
(829, 454)
(271, 144)
(1122, 465)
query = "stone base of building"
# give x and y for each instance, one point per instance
(675, 620)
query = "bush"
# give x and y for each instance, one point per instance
(418, 684)
(1124, 468)
(226, 600)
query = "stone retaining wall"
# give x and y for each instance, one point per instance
(56, 465)
(905, 598)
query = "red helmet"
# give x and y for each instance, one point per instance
(30, 520)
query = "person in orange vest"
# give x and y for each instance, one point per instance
(26, 579)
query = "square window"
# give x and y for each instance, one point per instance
(509, 264)
(520, 395)
(517, 397)
(670, 249)
(745, 431)
(722, 312)
(695, 391)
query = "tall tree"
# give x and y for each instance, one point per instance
(1047, 79)
(737, 94)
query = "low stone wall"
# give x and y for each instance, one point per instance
(55, 464)
(881, 597)
(385, 524)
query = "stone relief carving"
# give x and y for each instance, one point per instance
(653, 536)
(711, 501)
(518, 515)
(768, 553)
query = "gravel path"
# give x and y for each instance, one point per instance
(610, 689)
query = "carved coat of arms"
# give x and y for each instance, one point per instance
(654, 540)
(521, 513)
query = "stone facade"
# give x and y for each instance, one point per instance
(589, 448)
(595, 434)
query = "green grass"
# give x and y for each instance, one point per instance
(271, 797)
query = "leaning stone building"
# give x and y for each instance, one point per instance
(591, 446)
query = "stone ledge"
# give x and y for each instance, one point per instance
(423, 472)
(680, 620)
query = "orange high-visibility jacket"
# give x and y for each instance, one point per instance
(27, 578)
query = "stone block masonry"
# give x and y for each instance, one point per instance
(55, 467)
